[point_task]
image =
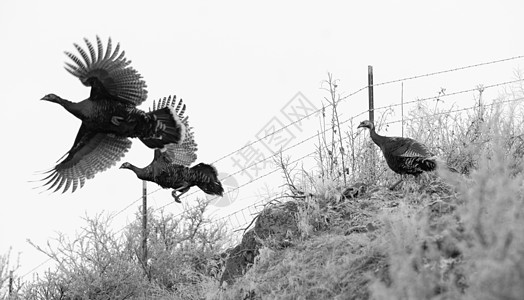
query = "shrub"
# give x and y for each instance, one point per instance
(101, 264)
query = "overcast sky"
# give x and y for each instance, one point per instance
(237, 65)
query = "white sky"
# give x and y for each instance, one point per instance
(235, 64)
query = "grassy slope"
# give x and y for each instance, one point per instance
(450, 237)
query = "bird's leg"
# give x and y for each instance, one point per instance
(177, 198)
(397, 183)
(116, 120)
(183, 189)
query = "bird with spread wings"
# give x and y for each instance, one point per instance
(109, 116)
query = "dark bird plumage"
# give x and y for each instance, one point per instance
(109, 116)
(170, 166)
(403, 155)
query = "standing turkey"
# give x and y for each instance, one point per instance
(403, 155)
(109, 116)
(170, 165)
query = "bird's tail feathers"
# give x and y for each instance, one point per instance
(209, 183)
(169, 128)
(428, 164)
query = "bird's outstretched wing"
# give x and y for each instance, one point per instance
(178, 154)
(107, 73)
(181, 154)
(91, 153)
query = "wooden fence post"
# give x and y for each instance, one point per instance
(372, 119)
(144, 227)
(370, 93)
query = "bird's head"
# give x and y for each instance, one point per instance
(366, 124)
(126, 165)
(52, 98)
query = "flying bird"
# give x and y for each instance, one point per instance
(170, 167)
(109, 116)
(403, 155)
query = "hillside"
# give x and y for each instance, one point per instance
(457, 240)
(446, 236)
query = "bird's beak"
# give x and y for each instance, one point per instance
(359, 126)
(121, 167)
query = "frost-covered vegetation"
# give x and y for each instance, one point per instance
(449, 236)
(184, 256)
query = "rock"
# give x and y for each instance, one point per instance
(275, 227)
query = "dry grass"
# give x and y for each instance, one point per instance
(323, 267)
(452, 236)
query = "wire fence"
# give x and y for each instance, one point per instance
(355, 116)
(240, 218)
(246, 214)
(374, 85)
(243, 216)
(317, 134)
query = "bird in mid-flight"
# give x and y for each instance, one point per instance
(170, 167)
(109, 116)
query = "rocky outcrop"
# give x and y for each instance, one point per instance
(275, 226)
